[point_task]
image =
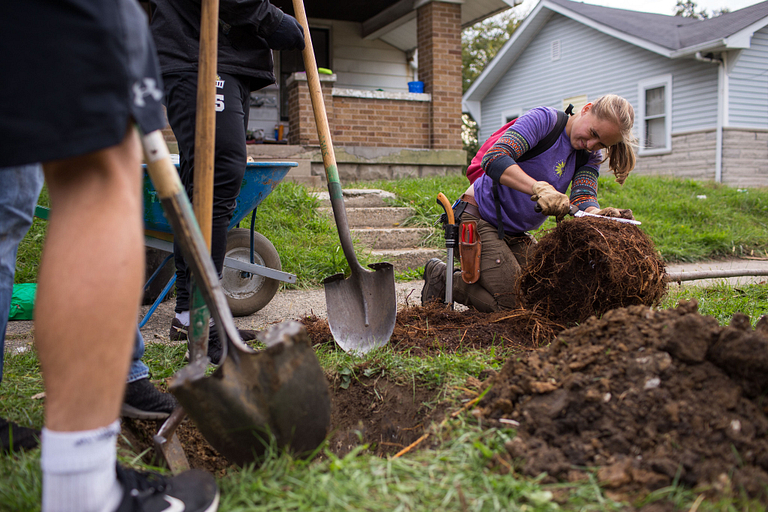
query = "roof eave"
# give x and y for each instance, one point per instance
(605, 29)
(499, 65)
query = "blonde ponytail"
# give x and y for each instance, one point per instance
(621, 157)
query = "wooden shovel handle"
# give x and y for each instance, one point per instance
(205, 122)
(316, 96)
(326, 145)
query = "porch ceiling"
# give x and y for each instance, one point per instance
(349, 10)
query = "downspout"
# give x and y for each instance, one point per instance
(720, 113)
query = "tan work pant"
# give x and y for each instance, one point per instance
(500, 264)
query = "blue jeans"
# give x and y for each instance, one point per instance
(19, 189)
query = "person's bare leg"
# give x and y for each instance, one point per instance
(89, 285)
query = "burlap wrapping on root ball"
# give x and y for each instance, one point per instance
(588, 266)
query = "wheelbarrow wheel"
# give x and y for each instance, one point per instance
(248, 293)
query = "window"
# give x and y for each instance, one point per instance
(577, 101)
(292, 61)
(510, 114)
(655, 99)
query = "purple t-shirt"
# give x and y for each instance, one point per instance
(555, 166)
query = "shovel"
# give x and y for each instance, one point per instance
(362, 308)
(274, 398)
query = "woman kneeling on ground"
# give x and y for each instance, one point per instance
(537, 183)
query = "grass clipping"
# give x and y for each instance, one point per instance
(588, 266)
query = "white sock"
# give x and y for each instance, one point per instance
(79, 470)
(183, 317)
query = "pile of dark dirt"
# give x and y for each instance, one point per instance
(436, 329)
(646, 396)
(588, 266)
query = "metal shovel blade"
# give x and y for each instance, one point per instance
(276, 398)
(359, 307)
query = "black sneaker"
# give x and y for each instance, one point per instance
(191, 491)
(15, 438)
(214, 348)
(434, 282)
(144, 401)
(179, 332)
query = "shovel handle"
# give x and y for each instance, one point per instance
(205, 120)
(326, 145)
(442, 200)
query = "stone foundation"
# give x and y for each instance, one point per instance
(745, 158)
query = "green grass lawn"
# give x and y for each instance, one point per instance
(455, 473)
(683, 225)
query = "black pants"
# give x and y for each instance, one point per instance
(232, 107)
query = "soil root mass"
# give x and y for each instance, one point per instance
(588, 266)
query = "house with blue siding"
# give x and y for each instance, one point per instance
(699, 87)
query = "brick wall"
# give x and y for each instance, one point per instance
(302, 130)
(439, 44)
(692, 156)
(744, 164)
(745, 158)
(359, 121)
(381, 123)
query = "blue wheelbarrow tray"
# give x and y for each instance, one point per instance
(259, 180)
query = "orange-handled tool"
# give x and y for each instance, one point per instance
(451, 239)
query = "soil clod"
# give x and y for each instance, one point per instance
(645, 396)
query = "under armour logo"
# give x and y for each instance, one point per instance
(148, 88)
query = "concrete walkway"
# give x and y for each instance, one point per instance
(734, 265)
(296, 304)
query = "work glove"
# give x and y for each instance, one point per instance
(615, 212)
(549, 200)
(288, 36)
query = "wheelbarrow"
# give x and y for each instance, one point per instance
(252, 270)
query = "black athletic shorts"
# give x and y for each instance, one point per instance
(74, 72)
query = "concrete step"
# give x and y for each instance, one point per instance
(390, 238)
(358, 198)
(373, 217)
(403, 259)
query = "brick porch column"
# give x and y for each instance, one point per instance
(302, 129)
(439, 44)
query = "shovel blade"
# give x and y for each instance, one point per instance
(277, 397)
(362, 308)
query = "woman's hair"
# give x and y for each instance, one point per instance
(621, 157)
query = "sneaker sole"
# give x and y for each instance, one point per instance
(214, 505)
(129, 411)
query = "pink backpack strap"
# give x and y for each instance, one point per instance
(475, 169)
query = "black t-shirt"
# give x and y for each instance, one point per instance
(243, 27)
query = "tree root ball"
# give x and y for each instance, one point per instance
(588, 266)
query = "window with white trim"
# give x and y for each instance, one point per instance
(510, 114)
(655, 115)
